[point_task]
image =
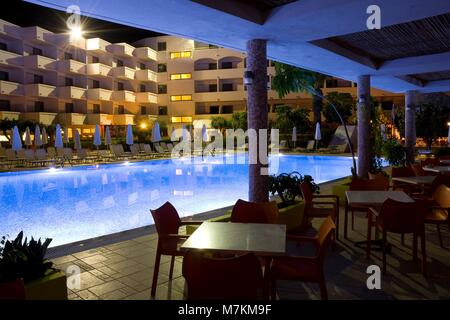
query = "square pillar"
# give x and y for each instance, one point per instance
(363, 114)
(410, 125)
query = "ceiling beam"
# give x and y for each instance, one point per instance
(413, 80)
(238, 9)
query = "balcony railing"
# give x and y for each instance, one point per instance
(71, 66)
(218, 96)
(71, 93)
(68, 119)
(123, 119)
(40, 90)
(145, 53)
(121, 49)
(10, 58)
(11, 115)
(98, 69)
(97, 45)
(123, 96)
(146, 97)
(99, 94)
(235, 73)
(39, 62)
(36, 34)
(99, 118)
(146, 75)
(46, 118)
(11, 88)
(123, 73)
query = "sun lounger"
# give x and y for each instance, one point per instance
(309, 147)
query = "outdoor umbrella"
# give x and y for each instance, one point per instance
(107, 136)
(204, 133)
(37, 136)
(16, 141)
(156, 133)
(294, 135)
(318, 135)
(97, 139)
(191, 131)
(58, 137)
(383, 131)
(129, 135)
(27, 137)
(76, 139)
(44, 136)
(184, 133)
(273, 137)
(66, 136)
(172, 135)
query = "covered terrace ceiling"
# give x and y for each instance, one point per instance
(410, 52)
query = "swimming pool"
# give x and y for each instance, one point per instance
(79, 203)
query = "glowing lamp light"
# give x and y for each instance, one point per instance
(76, 33)
(143, 125)
(448, 123)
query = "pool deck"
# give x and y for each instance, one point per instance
(124, 269)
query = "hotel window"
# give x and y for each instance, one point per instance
(214, 109)
(227, 87)
(162, 110)
(162, 67)
(68, 82)
(185, 97)
(68, 56)
(212, 87)
(142, 66)
(95, 59)
(4, 76)
(181, 119)
(5, 105)
(120, 86)
(180, 54)
(120, 109)
(3, 46)
(212, 66)
(180, 76)
(95, 84)
(142, 88)
(38, 106)
(143, 110)
(119, 63)
(227, 109)
(69, 107)
(38, 78)
(36, 51)
(162, 88)
(96, 108)
(162, 46)
(227, 65)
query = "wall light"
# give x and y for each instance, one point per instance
(248, 78)
(76, 33)
(143, 125)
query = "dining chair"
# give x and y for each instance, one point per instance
(254, 212)
(12, 290)
(304, 268)
(438, 211)
(430, 161)
(167, 222)
(418, 170)
(402, 218)
(319, 209)
(362, 185)
(232, 278)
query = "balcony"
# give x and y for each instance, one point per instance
(71, 119)
(97, 45)
(121, 49)
(46, 118)
(40, 90)
(123, 119)
(71, 66)
(39, 62)
(235, 73)
(145, 53)
(36, 34)
(99, 118)
(146, 97)
(218, 96)
(71, 93)
(146, 75)
(11, 115)
(11, 88)
(98, 69)
(99, 94)
(123, 96)
(10, 29)
(10, 58)
(123, 73)
(66, 40)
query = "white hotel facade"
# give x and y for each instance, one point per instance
(51, 78)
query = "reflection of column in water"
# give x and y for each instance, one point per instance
(317, 173)
(104, 178)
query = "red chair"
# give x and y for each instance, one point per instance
(236, 278)
(418, 170)
(13, 290)
(438, 212)
(253, 212)
(305, 268)
(400, 217)
(167, 222)
(319, 209)
(430, 161)
(362, 185)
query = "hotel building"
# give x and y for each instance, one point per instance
(79, 83)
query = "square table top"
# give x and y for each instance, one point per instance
(439, 169)
(375, 198)
(230, 237)
(418, 180)
(445, 161)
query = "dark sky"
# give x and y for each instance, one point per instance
(27, 14)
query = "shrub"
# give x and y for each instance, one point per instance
(394, 153)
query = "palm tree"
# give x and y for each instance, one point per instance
(292, 79)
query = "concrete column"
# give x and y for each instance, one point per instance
(257, 116)
(363, 113)
(410, 125)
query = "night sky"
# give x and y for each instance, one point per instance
(27, 14)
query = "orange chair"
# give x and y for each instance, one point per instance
(430, 161)
(418, 170)
(253, 212)
(167, 222)
(362, 185)
(439, 214)
(305, 268)
(236, 278)
(319, 209)
(13, 290)
(401, 217)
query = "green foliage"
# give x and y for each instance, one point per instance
(239, 120)
(344, 103)
(286, 185)
(22, 259)
(220, 123)
(287, 118)
(394, 153)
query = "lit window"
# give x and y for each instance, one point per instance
(186, 97)
(175, 98)
(180, 76)
(176, 119)
(186, 76)
(181, 119)
(176, 76)
(180, 54)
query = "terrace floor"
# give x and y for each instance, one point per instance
(124, 270)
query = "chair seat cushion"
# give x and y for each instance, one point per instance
(437, 215)
(295, 268)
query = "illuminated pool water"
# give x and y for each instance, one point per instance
(79, 203)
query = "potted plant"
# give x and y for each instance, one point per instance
(286, 187)
(23, 259)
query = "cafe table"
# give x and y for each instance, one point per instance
(421, 181)
(373, 199)
(445, 161)
(438, 169)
